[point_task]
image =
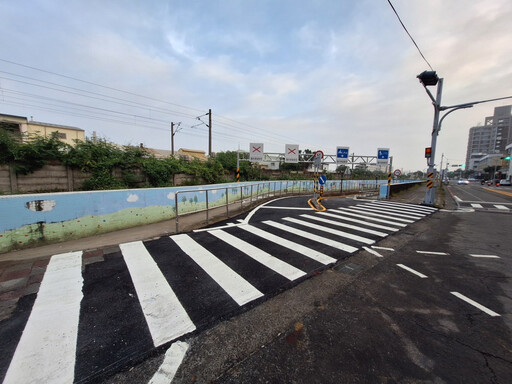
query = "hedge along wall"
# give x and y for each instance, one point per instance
(28, 220)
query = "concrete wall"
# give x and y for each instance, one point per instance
(28, 220)
(59, 178)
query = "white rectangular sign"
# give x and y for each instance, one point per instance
(291, 153)
(256, 152)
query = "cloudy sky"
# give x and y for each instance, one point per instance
(318, 73)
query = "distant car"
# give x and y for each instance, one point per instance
(482, 182)
(462, 182)
(505, 183)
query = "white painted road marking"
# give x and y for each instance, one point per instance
(420, 208)
(383, 248)
(392, 211)
(47, 348)
(329, 230)
(235, 285)
(308, 252)
(344, 225)
(369, 250)
(375, 212)
(172, 360)
(501, 207)
(165, 316)
(311, 236)
(412, 271)
(362, 215)
(485, 256)
(411, 211)
(262, 257)
(475, 304)
(475, 205)
(433, 253)
(352, 220)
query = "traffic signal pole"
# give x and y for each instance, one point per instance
(430, 196)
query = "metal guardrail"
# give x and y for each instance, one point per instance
(201, 200)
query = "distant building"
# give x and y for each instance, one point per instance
(491, 138)
(26, 129)
(191, 154)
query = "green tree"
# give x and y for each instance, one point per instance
(34, 154)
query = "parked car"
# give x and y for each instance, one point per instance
(505, 183)
(462, 182)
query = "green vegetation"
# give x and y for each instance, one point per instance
(109, 166)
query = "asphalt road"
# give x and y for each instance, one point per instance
(415, 297)
(435, 308)
(482, 197)
(90, 320)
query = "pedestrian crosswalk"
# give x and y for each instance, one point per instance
(152, 292)
(486, 206)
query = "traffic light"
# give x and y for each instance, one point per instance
(428, 152)
(506, 158)
(428, 78)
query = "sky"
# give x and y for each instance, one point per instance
(317, 73)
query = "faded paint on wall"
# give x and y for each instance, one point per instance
(26, 220)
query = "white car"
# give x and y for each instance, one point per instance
(505, 182)
(462, 182)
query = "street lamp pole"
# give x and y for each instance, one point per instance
(430, 195)
(428, 78)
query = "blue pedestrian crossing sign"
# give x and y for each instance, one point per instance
(382, 155)
(342, 154)
(322, 179)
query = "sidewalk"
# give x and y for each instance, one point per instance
(21, 272)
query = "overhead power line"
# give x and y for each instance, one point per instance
(405, 29)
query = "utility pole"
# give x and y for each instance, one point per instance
(209, 133)
(172, 138)
(172, 135)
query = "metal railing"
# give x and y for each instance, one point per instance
(206, 199)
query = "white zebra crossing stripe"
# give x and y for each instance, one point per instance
(277, 265)
(311, 236)
(362, 215)
(375, 212)
(173, 358)
(501, 207)
(164, 314)
(235, 285)
(474, 205)
(308, 252)
(394, 211)
(344, 225)
(400, 209)
(352, 220)
(375, 253)
(47, 348)
(412, 206)
(331, 231)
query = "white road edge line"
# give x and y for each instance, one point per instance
(485, 256)
(369, 250)
(47, 348)
(412, 271)
(172, 361)
(475, 304)
(433, 253)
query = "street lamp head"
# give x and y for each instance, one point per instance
(428, 78)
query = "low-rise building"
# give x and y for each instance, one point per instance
(28, 128)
